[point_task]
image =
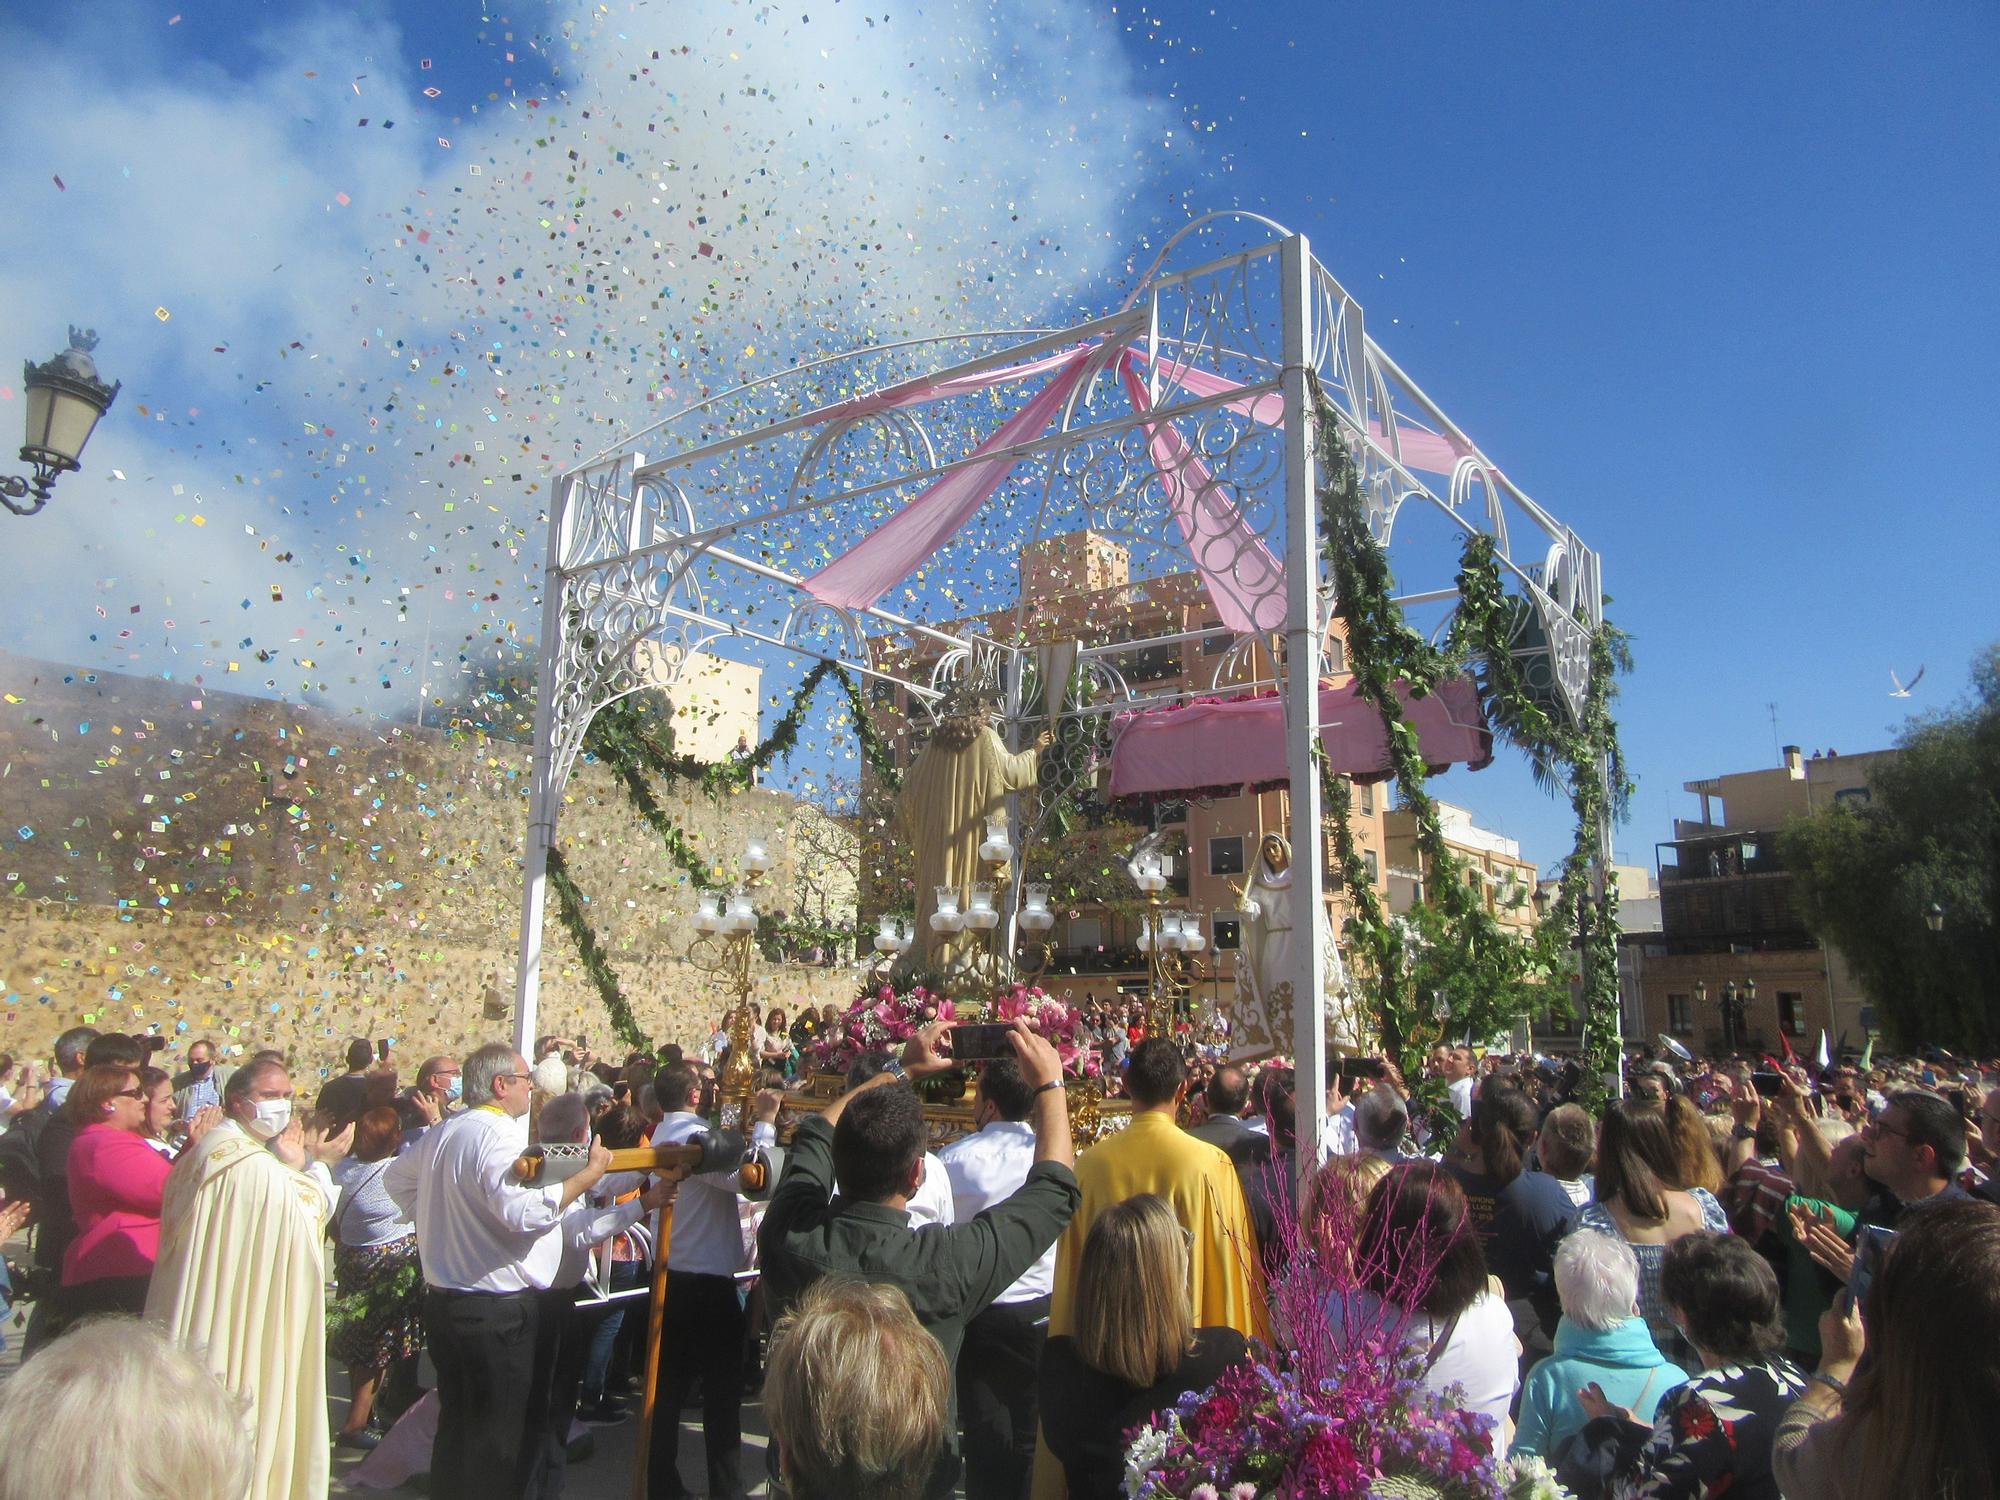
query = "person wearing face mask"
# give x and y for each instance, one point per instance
(200, 1086)
(434, 1095)
(240, 1279)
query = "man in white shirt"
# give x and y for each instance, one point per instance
(489, 1261)
(1000, 1360)
(1456, 1065)
(704, 1328)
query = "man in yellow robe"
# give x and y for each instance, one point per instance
(959, 779)
(1154, 1155)
(240, 1280)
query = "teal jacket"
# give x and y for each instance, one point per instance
(1623, 1360)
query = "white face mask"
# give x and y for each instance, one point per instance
(270, 1118)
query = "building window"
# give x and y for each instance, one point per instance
(1680, 1015)
(1086, 932)
(1791, 1013)
(1364, 798)
(1336, 655)
(1215, 645)
(1225, 855)
(1369, 863)
(1228, 932)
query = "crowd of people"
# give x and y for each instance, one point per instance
(1741, 1280)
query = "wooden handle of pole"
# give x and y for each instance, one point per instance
(528, 1169)
(673, 1161)
(656, 1312)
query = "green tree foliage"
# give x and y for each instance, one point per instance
(1866, 875)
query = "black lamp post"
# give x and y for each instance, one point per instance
(65, 399)
(1733, 1002)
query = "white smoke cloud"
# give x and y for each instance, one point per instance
(377, 349)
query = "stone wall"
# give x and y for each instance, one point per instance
(199, 862)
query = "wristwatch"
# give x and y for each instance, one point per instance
(895, 1071)
(1743, 1132)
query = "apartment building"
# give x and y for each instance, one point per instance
(1733, 966)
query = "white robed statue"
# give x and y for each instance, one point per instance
(959, 779)
(1261, 1019)
(240, 1284)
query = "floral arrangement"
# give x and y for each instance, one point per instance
(886, 1018)
(1059, 1024)
(1263, 1433)
(877, 1020)
(1342, 1411)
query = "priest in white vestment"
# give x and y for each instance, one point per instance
(240, 1281)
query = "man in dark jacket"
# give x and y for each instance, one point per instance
(1228, 1097)
(870, 1142)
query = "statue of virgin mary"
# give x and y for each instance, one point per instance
(1261, 1020)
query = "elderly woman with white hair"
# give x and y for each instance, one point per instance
(1600, 1339)
(115, 1411)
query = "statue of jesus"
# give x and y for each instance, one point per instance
(959, 779)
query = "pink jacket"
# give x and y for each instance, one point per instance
(115, 1183)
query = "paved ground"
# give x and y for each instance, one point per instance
(607, 1473)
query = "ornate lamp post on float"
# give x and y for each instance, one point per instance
(726, 928)
(1167, 937)
(65, 399)
(995, 964)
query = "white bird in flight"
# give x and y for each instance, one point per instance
(1899, 691)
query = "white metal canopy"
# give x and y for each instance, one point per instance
(712, 542)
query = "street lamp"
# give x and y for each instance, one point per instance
(1934, 917)
(65, 399)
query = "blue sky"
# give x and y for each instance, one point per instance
(1713, 283)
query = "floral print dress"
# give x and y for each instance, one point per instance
(1713, 1436)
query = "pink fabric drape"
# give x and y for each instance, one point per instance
(895, 549)
(1241, 741)
(1434, 453)
(1244, 581)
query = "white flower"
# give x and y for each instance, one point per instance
(1529, 1478)
(1149, 1446)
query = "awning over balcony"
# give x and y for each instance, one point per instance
(1241, 741)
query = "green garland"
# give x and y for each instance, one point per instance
(569, 908)
(1382, 651)
(619, 737)
(1587, 758)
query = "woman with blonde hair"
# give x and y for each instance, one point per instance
(857, 1393)
(1135, 1348)
(1334, 1196)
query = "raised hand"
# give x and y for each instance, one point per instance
(290, 1145)
(203, 1121)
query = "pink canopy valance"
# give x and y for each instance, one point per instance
(1241, 741)
(1244, 580)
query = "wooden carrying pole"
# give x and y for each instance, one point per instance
(752, 1177)
(649, 1390)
